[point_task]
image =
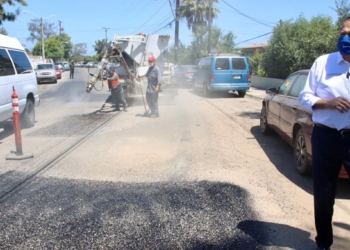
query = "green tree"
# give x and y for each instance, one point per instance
(342, 8)
(183, 55)
(196, 13)
(295, 45)
(34, 27)
(53, 49)
(78, 52)
(223, 43)
(227, 43)
(255, 63)
(3, 31)
(99, 47)
(65, 40)
(89, 58)
(9, 16)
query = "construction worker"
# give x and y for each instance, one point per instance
(116, 89)
(154, 86)
(71, 70)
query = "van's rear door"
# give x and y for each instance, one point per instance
(239, 71)
(222, 72)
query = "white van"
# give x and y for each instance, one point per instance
(16, 70)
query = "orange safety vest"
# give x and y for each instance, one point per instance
(114, 83)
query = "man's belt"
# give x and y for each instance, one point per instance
(342, 132)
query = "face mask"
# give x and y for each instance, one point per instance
(344, 45)
(151, 64)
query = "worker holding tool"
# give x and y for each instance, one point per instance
(154, 86)
(116, 89)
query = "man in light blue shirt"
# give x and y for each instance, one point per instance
(327, 94)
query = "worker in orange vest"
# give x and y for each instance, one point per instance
(116, 89)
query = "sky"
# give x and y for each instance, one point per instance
(85, 20)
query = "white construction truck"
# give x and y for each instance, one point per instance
(130, 54)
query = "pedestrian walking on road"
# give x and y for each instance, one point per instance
(326, 94)
(116, 90)
(154, 86)
(71, 70)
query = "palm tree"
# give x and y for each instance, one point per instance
(196, 13)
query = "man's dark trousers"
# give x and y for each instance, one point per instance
(71, 74)
(329, 151)
(152, 101)
(118, 96)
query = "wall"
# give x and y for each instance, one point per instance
(265, 82)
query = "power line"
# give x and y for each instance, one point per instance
(150, 18)
(267, 22)
(254, 38)
(249, 17)
(171, 7)
(126, 13)
(168, 24)
(157, 24)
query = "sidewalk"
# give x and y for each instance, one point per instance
(256, 93)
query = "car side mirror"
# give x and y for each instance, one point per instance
(271, 91)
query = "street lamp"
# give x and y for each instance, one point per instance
(42, 31)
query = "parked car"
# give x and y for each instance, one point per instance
(46, 72)
(222, 73)
(183, 75)
(16, 71)
(282, 112)
(60, 66)
(66, 66)
(58, 72)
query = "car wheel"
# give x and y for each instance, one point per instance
(300, 154)
(206, 91)
(241, 93)
(55, 81)
(194, 86)
(264, 126)
(28, 115)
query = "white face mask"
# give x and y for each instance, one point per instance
(151, 64)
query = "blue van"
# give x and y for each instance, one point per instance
(222, 73)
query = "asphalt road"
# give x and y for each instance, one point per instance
(199, 177)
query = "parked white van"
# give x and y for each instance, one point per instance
(16, 70)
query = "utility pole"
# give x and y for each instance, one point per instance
(177, 14)
(42, 39)
(106, 32)
(59, 24)
(209, 25)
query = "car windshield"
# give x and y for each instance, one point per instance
(45, 66)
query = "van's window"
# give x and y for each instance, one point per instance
(207, 64)
(238, 64)
(6, 67)
(22, 64)
(222, 64)
(201, 63)
(298, 86)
